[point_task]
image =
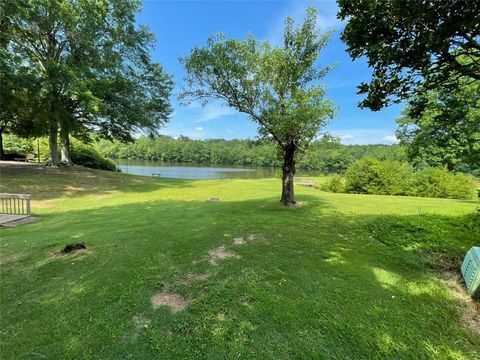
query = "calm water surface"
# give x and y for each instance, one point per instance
(193, 171)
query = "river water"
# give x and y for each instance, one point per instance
(195, 171)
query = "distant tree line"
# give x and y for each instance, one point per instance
(327, 155)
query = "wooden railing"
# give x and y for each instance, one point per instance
(17, 204)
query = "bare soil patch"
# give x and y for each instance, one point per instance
(174, 301)
(220, 253)
(298, 204)
(239, 241)
(10, 258)
(470, 312)
(259, 238)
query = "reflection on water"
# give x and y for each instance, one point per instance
(193, 171)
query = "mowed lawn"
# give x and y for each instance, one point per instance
(340, 277)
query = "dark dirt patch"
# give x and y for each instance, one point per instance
(73, 247)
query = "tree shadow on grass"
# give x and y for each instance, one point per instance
(46, 183)
(444, 240)
(309, 283)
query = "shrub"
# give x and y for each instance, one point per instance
(334, 183)
(440, 183)
(16, 146)
(372, 176)
(87, 156)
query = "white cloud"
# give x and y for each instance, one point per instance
(365, 136)
(199, 128)
(326, 18)
(346, 137)
(165, 132)
(391, 139)
(213, 111)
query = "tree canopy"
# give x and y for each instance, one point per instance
(17, 84)
(412, 46)
(93, 66)
(447, 132)
(275, 86)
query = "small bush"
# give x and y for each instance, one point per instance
(334, 183)
(372, 176)
(85, 155)
(440, 183)
(16, 146)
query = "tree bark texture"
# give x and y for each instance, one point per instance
(65, 147)
(288, 173)
(2, 153)
(53, 158)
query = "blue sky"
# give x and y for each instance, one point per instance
(181, 25)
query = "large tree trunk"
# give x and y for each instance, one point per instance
(65, 149)
(53, 143)
(288, 173)
(2, 153)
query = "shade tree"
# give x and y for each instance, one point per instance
(412, 46)
(276, 86)
(93, 64)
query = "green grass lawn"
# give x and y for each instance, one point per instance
(341, 277)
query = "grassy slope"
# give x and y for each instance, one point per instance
(315, 282)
